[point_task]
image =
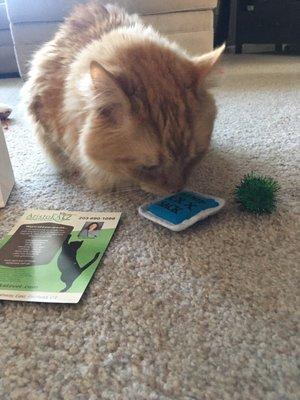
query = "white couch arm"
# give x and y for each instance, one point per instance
(187, 22)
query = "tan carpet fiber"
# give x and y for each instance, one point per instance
(207, 314)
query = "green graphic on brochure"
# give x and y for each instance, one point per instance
(51, 256)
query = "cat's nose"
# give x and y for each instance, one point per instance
(178, 188)
(174, 181)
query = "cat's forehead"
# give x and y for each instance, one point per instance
(159, 85)
(158, 91)
(155, 67)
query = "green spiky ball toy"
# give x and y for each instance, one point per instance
(257, 194)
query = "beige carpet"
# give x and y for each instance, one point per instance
(207, 314)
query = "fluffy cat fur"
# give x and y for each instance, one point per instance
(111, 98)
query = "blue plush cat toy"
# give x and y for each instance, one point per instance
(181, 210)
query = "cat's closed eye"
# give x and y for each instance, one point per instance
(105, 111)
(110, 113)
(147, 169)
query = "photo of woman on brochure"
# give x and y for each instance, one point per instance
(90, 230)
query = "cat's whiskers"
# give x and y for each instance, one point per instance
(126, 190)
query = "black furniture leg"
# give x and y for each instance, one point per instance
(222, 28)
(238, 48)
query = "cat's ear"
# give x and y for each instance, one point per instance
(206, 63)
(112, 100)
(99, 74)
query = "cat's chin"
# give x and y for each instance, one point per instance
(156, 191)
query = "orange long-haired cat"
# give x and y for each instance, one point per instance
(114, 100)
